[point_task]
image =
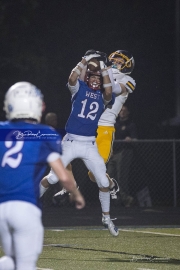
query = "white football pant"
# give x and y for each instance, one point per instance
(88, 152)
(21, 234)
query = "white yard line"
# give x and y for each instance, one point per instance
(158, 233)
(43, 269)
(57, 230)
(146, 269)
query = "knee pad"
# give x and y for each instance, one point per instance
(7, 263)
(52, 178)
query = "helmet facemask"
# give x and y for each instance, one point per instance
(94, 80)
(123, 61)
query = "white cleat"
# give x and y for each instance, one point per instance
(108, 224)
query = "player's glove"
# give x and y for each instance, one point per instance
(90, 52)
(102, 65)
(108, 63)
(103, 57)
(90, 56)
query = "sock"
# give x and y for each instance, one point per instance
(42, 190)
(104, 198)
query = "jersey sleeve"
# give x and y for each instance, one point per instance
(73, 89)
(128, 82)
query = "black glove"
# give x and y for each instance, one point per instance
(103, 56)
(108, 63)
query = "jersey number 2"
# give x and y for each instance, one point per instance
(12, 162)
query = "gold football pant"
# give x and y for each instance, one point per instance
(104, 141)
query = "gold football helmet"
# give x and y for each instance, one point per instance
(123, 61)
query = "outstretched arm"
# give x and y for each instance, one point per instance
(118, 88)
(107, 85)
(76, 72)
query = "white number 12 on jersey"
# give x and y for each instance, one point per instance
(94, 106)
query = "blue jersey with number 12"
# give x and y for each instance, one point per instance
(87, 107)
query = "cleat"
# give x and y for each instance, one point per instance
(61, 197)
(108, 224)
(114, 189)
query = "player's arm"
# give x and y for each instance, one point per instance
(107, 94)
(107, 85)
(67, 182)
(127, 82)
(76, 72)
(124, 91)
(117, 88)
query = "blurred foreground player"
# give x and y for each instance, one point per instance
(23, 161)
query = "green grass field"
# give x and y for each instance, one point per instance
(96, 249)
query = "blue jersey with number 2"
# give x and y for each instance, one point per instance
(23, 162)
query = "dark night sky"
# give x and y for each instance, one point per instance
(44, 42)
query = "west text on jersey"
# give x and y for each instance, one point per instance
(92, 95)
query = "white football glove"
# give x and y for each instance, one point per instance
(89, 57)
(102, 65)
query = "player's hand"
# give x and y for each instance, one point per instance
(90, 52)
(77, 198)
(89, 57)
(108, 63)
(102, 65)
(97, 54)
(103, 57)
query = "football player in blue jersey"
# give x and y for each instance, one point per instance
(25, 149)
(122, 63)
(89, 99)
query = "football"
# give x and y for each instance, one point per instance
(93, 65)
